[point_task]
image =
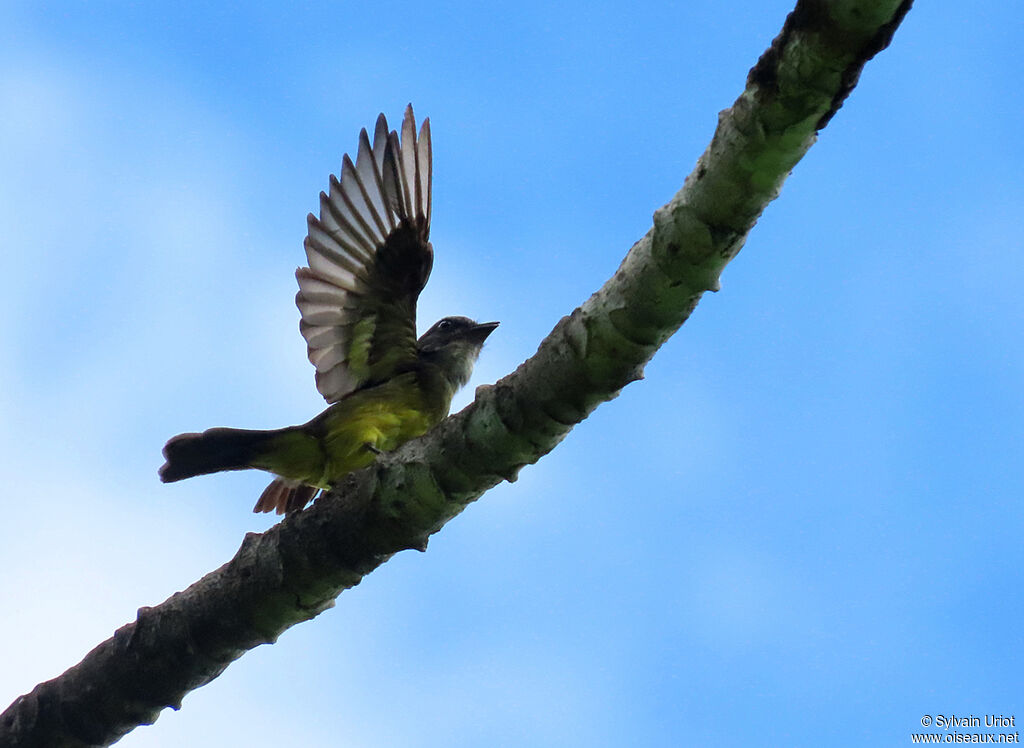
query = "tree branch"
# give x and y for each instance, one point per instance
(296, 569)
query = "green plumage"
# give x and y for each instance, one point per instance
(345, 436)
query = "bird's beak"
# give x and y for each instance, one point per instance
(479, 333)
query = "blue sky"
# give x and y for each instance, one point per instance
(802, 528)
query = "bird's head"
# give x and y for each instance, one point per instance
(453, 343)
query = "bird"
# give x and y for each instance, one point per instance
(369, 257)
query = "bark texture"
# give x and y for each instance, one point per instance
(295, 570)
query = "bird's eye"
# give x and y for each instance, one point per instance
(444, 324)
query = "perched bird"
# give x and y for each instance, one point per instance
(369, 258)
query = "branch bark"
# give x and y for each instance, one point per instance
(296, 569)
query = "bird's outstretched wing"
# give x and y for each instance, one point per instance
(369, 258)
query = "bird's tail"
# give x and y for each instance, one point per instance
(219, 449)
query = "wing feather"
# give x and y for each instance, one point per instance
(354, 195)
(342, 231)
(330, 262)
(424, 167)
(337, 379)
(342, 214)
(394, 189)
(370, 185)
(380, 141)
(369, 257)
(408, 152)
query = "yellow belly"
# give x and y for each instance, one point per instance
(352, 437)
(380, 418)
(348, 435)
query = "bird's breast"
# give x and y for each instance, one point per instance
(378, 419)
